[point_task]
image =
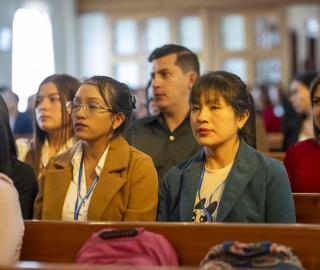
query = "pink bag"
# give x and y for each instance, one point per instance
(127, 247)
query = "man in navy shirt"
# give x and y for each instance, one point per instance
(168, 137)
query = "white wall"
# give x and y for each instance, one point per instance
(64, 23)
(92, 44)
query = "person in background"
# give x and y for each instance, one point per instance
(11, 225)
(283, 110)
(101, 177)
(271, 121)
(20, 122)
(227, 181)
(53, 132)
(31, 103)
(299, 128)
(302, 159)
(151, 103)
(22, 175)
(167, 137)
(141, 109)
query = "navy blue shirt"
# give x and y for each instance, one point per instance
(23, 124)
(152, 136)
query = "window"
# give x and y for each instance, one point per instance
(250, 40)
(32, 52)
(250, 46)
(125, 37)
(157, 33)
(128, 73)
(233, 29)
(191, 33)
(268, 70)
(135, 38)
(93, 45)
(237, 66)
(267, 32)
(5, 39)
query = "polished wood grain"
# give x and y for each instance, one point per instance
(73, 266)
(277, 155)
(166, 6)
(275, 141)
(59, 242)
(307, 207)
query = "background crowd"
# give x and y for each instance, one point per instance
(198, 153)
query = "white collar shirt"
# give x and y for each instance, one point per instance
(71, 197)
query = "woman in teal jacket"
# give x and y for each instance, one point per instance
(228, 181)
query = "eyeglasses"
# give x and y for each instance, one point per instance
(89, 107)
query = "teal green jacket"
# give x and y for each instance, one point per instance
(257, 190)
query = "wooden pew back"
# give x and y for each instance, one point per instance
(307, 207)
(275, 140)
(59, 242)
(277, 155)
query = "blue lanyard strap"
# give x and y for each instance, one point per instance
(208, 215)
(76, 208)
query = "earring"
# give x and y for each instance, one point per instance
(114, 127)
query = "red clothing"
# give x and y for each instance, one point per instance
(302, 162)
(271, 122)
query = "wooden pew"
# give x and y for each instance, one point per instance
(73, 266)
(275, 141)
(276, 155)
(307, 207)
(59, 241)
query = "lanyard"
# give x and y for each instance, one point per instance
(76, 208)
(208, 215)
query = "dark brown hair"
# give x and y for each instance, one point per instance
(8, 146)
(67, 87)
(120, 99)
(186, 59)
(313, 86)
(215, 84)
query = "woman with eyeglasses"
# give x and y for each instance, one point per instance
(101, 177)
(53, 132)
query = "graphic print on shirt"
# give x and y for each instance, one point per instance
(198, 214)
